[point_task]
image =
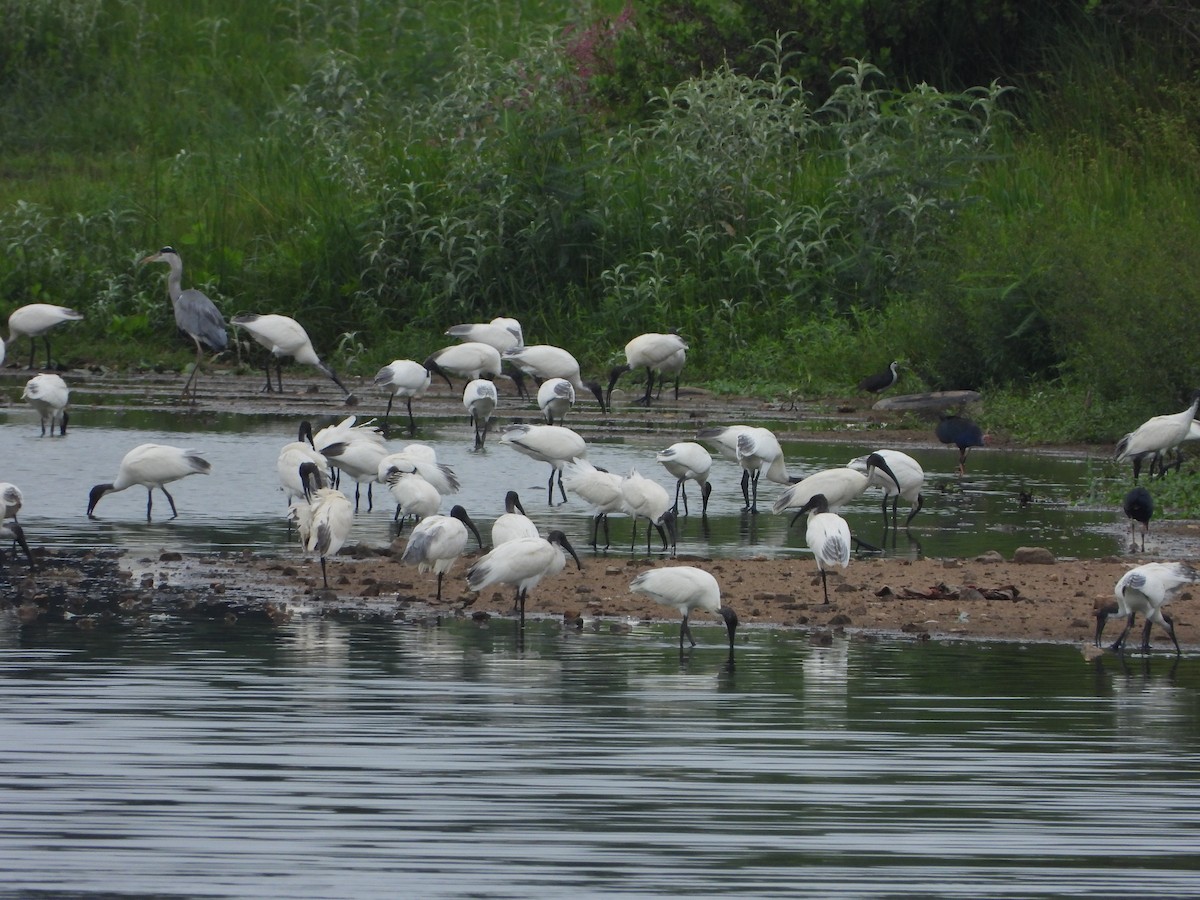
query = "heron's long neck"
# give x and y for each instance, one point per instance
(175, 279)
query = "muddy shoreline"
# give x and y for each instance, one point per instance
(983, 598)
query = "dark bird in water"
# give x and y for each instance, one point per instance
(881, 381)
(1139, 507)
(962, 433)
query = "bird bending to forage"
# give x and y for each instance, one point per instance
(284, 336)
(403, 378)
(512, 524)
(555, 397)
(195, 315)
(905, 479)
(522, 563)
(654, 352)
(152, 466)
(1156, 436)
(688, 461)
(438, 541)
(962, 433)
(502, 332)
(544, 361)
(36, 320)
(553, 444)
(649, 500)
(758, 450)
(881, 381)
(838, 486)
(1146, 590)
(480, 399)
(469, 360)
(48, 394)
(828, 536)
(1138, 505)
(686, 588)
(414, 496)
(600, 489)
(294, 454)
(11, 501)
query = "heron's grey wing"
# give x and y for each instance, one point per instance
(199, 317)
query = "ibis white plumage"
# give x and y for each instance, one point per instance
(1156, 436)
(283, 336)
(759, 451)
(503, 333)
(49, 394)
(11, 500)
(324, 517)
(36, 320)
(404, 379)
(828, 536)
(600, 489)
(553, 444)
(151, 466)
(512, 524)
(649, 500)
(544, 361)
(654, 352)
(555, 397)
(903, 477)
(480, 400)
(687, 588)
(688, 461)
(414, 496)
(1146, 590)
(839, 486)
(470, 360)
(292, 456)
(522, 564)
(438, 541)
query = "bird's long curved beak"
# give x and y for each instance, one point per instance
(879, 463)
(598, 392)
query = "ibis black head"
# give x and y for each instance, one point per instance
(557, 537)
(817, 503)
(875, 461)
(1102, 612)
(512, 503)
(461, 514)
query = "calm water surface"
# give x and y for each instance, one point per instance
(322, 759)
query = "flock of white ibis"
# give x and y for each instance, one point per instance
(310, 468)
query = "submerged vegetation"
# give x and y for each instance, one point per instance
(1018, 214)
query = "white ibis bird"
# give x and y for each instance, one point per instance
(1156, 436)
(324, 518)
(470, 360)
(36, 320)
(962, 433)
(420, 459)
(543, 361)
(686, 588)
(480, 400)
(688, 461)
(48, 394)
(881, 381)
(553, 444)
(758, 450)
(828, 536)
(649, 500)
(1146, 590)
(655, 353)
(905, 480)
(11, 500)
(512, 524)
(406, 379)
(838, 486)
(600, 489)
(502, 332)
(522, 563)
(195, 315)
(414, 496)
(152, 466)
(359, 456)
(438, 541)
(284, 336)
(294, 454)
(555, 397)
(1138, 505)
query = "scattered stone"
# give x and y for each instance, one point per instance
(991, 556)
(845, 588)
(170, 556)
(840, 621)
(951, 564)
(1034, 556)
(969, 594)
(885, 592)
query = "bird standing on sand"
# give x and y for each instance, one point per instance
(1146, 590)
(195, 315)
(522, 563)
(37, 319)
(686, 588)
(654, 352)
(828, 536)
(284, 336)
(438, 541)
(324, 517)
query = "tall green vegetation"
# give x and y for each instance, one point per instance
(804, 207)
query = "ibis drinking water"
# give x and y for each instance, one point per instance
(553, 444)
(543, 361)
(151, 466)
(480, 399)
(902, 478)
(1146, 590)
(283, 336)
(688, 461)
(687, 589)
(653, 352)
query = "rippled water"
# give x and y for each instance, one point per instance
(321, 759)
(240, 504)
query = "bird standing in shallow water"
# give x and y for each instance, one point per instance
(11, 501)
(1146, 590)
(1139, 507)
(38, 319)
(195, 315)
(963, 433)
(480, 399)
(522, 563)
(828, 536)
(403, 378)
(48, 394)
(687, 460)
(152, 466)
(686, 588)
(1156, 436)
